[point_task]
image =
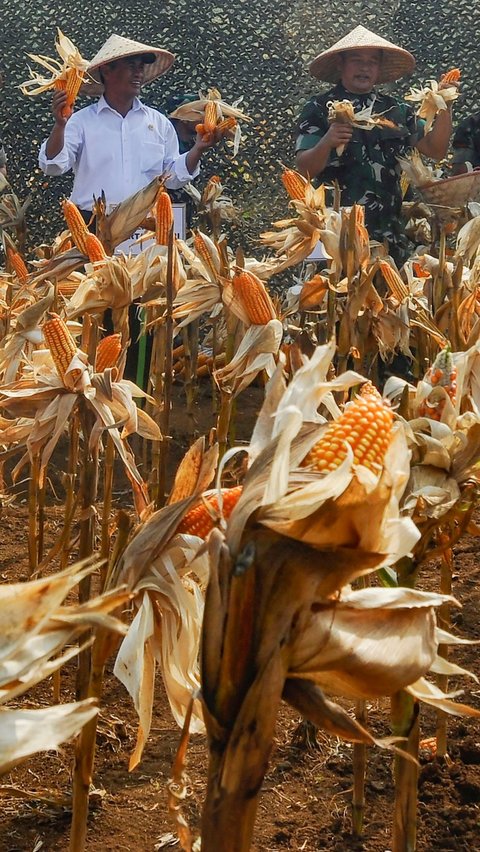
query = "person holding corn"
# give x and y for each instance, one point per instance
(118, 144)
(364, 162)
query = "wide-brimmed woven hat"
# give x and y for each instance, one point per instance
(396, 62)
(157, 61)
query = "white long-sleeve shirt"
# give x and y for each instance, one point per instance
(117, 154)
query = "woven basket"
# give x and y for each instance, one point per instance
(452, 192)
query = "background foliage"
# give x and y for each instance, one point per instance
(256, 48)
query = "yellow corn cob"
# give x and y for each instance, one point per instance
(254, 297)
(164, 218)
(397, 287)
(210, 116)
(452, 76)
(94, 248)
(365, 424)
(203, 252)
(295, 184)
(226, 125)
(62, 347)
(108, 350)
(71, 85)
(199, 521)
(17, 264)
(76, 225)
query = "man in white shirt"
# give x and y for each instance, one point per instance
(118, 144)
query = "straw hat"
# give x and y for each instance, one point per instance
(396, 62)
(157, 61)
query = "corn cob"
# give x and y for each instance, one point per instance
(17, 264)
(226, 125)
(108, 350)
(210, 116)
(397, 287)
(202, 249)
(295, 184)
(164, 218)
(76, 225)
(443, 374)
(452, 76)
(254, 297)
(62, 347)
(365, 425)
(71, 85)
(94, 248)
(199, 521)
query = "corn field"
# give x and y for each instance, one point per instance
(308, 562)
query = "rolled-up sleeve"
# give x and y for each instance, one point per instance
(67, 157)
(175, 163)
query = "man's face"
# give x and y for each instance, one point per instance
(124, 77)
(360, 70)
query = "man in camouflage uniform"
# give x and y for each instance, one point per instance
(367, 170)
(466, 145)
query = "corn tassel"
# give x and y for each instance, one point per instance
(210, 117)
(365, 425)
(254, 297)
(201, 519)
(17, 264)
(164, 218)
(94, 248)
(76, 225)
(397, 287)
(295, 184)
(62, 347)
(108, 350)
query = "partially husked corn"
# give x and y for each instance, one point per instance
(254, 298)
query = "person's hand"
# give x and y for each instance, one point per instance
(338, 134)
(204, 141)
(59, 107)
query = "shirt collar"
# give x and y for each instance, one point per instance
(360, 100)
(102, 104)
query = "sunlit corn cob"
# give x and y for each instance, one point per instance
(17, 264)
(164, 218)
(397, 287)
(200, 521)
(71, 85)
(61, 345)
(254, 298)
(226, 125)
(76, 225)
(210, 117)
(366, 425)
(295, 184)
(94, 248)
(452, 76)
(442, 374)
(203, 252)
(108, 351)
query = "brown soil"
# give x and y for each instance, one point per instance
(305, 803)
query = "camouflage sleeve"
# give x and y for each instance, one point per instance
(464, 148)
(312, 125)
(415, 126)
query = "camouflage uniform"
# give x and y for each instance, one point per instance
(466, 141)
(368, 172)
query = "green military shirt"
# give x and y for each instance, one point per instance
(466, 141)
(368, 171)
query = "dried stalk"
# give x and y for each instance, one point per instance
(33, 515)
(190, 343)
(167, 378)
(359, 771)
(405, 716)
(444, 621)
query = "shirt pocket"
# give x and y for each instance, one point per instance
(152, 157)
